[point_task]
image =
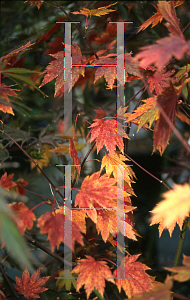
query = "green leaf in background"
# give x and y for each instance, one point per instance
(10, 235)
(26, 80)
(18, 71)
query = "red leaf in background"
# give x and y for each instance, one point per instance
(168, 12)
(14, 62)
(55, 27)
(6, 182)
(106, 133)
(99, 113)
(96, 192)
(55, 46)
(74, 156)
(92, 275)
(31, 287)
(25, 215)
(139, 282)
(159, 80)
(53, 224)
(162, 52)
(162, 131)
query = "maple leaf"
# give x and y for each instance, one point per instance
(173, 209)
(37, 2)
(6, 181)
(31, 287)
(95, 12)
(162, 131)
(146, 113)
(154, 20)
(159, 80)
(109, 72)
(55, 46)
(159, 291)
(56, 69)
(99, 113)
(96, 192)
(44, 159)
(74, 156)
(21, 182)
(168, 12)
(6, 91)
(67, 281)
(107, 133)
(111, 163)
(183, 272)
(162, 52)
(53, 224)
(92, 275)
(14, 52)
(139, 282)
(25, 215)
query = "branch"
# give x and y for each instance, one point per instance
(84, 37)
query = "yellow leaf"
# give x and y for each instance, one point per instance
(173, 209)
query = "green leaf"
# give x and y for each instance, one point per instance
(10, 235)
(67, 281)
(28, 81)
(19, 71)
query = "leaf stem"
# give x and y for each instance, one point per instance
(180, 243)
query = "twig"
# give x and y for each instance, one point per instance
(77, 28)
(9, 283)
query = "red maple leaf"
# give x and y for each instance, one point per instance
(74, 156)
(25, 215)
(56, 69)
(15, 51)
(162, 131)
(159, 80)
(107, 133)
(55, 46)
(92, 275)
(6, 182)
(31, 287)
(53, 224)
(96, 192)
(136, 281)
(162, 52)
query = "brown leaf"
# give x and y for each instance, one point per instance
(183, 272)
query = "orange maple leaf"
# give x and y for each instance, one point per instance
(139, 280)
(56, 69)
(37, 2)
(21, 182)
(53, 224)
(146, 113)
(173, 209)
(31, 287)
(74, 156)
(107, 133)
(92, 275)
(6, 91)
(95, 12)
(159, 291)
(162, 52)
(96, 192)
(111, 162)
(6, 182)
(25, 216)
(183, 272)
